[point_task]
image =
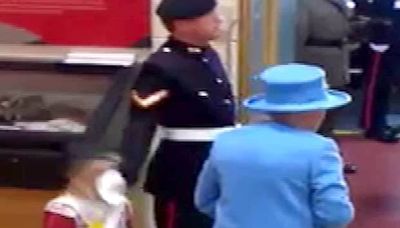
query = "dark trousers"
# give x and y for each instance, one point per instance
(377, 90)
(179, 214)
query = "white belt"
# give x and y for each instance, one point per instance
(193, 134)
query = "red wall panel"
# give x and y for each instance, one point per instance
(120, 23)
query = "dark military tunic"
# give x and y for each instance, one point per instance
(381, 71)
(180, 86)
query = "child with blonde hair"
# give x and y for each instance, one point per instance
(94, 196)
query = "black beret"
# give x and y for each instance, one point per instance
(184, 9)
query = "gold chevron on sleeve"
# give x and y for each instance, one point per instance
(150, 100)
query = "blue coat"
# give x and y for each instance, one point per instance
(270, 175)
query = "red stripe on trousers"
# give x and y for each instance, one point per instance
(171, 214)
(376, 62)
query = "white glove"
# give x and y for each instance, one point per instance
(112, 187)
(381, 48)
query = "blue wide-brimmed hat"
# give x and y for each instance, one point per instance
(295, 88)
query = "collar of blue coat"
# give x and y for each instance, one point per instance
(295, 88)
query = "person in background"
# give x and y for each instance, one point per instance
(323, 28)
(279, 173)
(381, 70)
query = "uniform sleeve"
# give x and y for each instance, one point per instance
(358, 28)
(395, 41)
(207, 190)
(52, 220)
(330, 194)
(149, 94)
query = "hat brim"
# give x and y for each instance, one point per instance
(334, 99)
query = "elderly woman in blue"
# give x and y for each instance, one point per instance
(280, 173)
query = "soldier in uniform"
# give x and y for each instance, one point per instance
(183, 89)
(322, 30)
(380, 73)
